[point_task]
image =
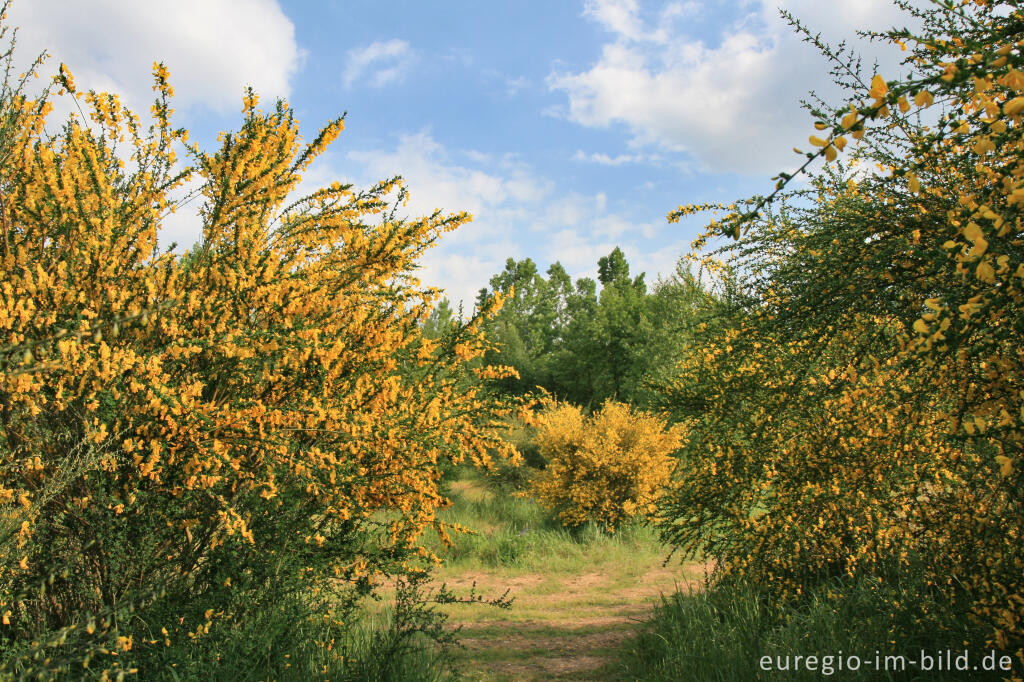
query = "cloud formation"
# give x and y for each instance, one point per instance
(379, 63)
(734, 105)
(213, 48)
(606, 160)
(516, 213)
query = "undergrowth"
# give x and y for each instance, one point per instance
(517, 533)
(733, 632)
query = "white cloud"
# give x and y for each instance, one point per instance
(618, 16)
(514, 85)
(438, 180)
(184, 227)
(461, 274)
(622, 17)
(659, 262)
(501, 194)
(379, 63)
(213, 48)
(733, 105)
(517, 213)
(577, 253)
(606, 160)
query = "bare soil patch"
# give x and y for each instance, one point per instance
(569, 633)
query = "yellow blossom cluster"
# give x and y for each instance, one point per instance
(608, 467)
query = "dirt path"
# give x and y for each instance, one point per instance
(560, 627)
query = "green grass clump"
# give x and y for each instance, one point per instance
(721, 634)
(375, 653)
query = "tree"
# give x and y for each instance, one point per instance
(523, 330)
(441, 320)
(613, 268)
(583, 345)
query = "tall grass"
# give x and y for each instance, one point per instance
(375, 653)
(722, 634)
(282, 637)
(516, 532)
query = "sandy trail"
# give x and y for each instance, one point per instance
(561, 627)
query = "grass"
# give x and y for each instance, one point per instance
(517, 533)
(722, 635)
(588, 605)
(578, 595)
(593, 605)
(374, 655)
(286, 640)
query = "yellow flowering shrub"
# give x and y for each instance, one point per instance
(860, 406)
(607, 467)
(259, 416)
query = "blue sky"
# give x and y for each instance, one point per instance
(566, 127)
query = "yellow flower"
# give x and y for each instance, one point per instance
(1014, 107)
(879, 88)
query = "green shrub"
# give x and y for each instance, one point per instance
(862, 397)
(504, 475)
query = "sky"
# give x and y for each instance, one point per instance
(566, 127)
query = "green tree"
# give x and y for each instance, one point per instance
(575, 375)
(623, 327)
(524, 329)
(584, 344)
(442, 319)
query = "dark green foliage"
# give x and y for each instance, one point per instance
(442, 319)
(588, 344)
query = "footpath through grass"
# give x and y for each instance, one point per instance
(578, 596)
(588, 605)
